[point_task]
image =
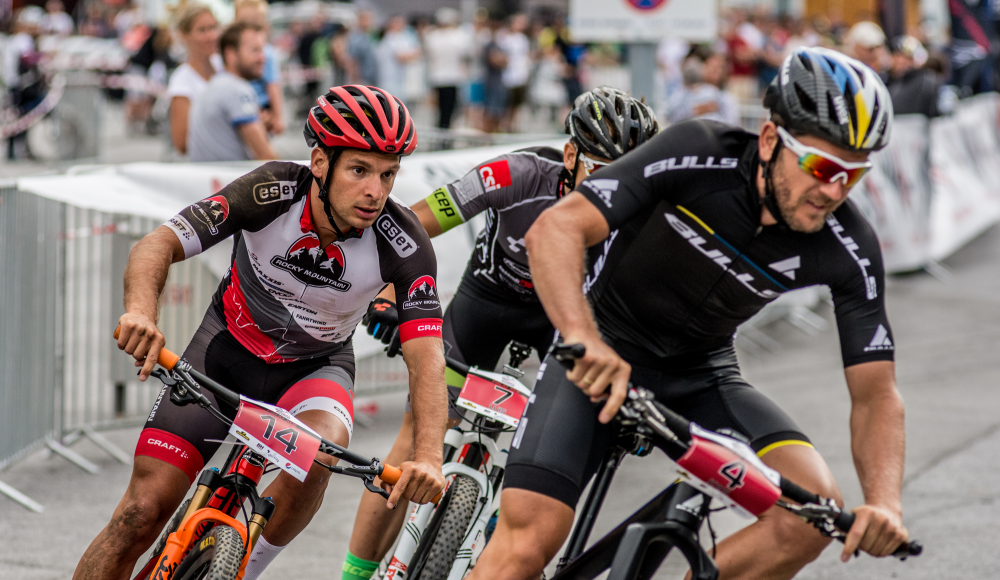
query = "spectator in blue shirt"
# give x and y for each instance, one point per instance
(268, 86)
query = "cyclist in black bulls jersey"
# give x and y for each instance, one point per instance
(495, 302)
(313, 245)
(686, 238)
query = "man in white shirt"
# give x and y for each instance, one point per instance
(517, 47)
(397, 50)
(449, 48)
(225, 123)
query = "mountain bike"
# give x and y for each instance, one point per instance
(708, 466)
(440, 541)
(203, 539)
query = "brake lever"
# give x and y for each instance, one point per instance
(370, 486)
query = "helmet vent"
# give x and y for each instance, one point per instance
(806, 62)
(805, 100)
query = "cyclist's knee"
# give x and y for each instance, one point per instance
(532, 528)
(139, 519)
(796, 542)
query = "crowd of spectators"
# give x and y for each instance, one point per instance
(498, 73)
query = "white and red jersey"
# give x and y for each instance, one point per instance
(285, 297)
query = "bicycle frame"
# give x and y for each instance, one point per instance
(218, 498)
(480, 458)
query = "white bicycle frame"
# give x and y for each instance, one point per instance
(421, 514)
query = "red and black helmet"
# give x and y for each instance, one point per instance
(361, 117)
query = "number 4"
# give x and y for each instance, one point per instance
(288, 437)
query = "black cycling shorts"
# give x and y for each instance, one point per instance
(559, 443)
(188, 436)
(478, 326)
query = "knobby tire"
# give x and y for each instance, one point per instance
(216, 556)
(443, 551)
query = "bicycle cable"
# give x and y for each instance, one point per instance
(246, 518)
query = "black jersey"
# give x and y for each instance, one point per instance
(687, 260)
(512, 189)
(285, 297)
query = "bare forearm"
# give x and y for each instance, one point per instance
(555, 255)
(146, 271)
(429, 404)
(878, 442)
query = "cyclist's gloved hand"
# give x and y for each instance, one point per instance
(382, 320)
(395, 346)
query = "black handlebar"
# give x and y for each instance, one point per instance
(458, 367)
(844, 520)
(567, 354)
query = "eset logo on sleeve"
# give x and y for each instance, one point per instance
(495, 175)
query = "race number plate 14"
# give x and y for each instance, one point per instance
(277, 435)
(499, 397)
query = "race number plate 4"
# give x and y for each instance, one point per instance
(277, 435)
(499, 397)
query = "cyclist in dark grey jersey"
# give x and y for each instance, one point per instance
(688, 237)
(496, 302)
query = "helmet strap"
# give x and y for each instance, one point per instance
(324, 196)
(770, 199)
(571, 184)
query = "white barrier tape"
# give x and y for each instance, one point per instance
(136, 83)
(50, 101)
(295, 76)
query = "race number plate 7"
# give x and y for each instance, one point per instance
(499, 397)
(277, 435)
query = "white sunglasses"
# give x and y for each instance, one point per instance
(591, 165)
(822, 165)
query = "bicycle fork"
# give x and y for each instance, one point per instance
(217, 500)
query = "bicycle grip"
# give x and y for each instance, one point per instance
(909, 548)
(392, 474)
(166, 359)
(567, 354)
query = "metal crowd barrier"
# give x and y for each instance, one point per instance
(62, 378)
(30, 331)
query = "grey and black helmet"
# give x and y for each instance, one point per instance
(608, 123)
(824, 93)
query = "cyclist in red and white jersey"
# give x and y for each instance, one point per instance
(312, 246)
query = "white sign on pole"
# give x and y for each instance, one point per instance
(642, 20)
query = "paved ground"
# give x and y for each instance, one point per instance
(947, 334)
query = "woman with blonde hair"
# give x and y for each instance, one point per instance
(199, 32)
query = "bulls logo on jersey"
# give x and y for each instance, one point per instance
(313, 265)
(422, 295)
(212, 212)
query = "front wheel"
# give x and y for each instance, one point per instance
(216, 556)
(443, 551)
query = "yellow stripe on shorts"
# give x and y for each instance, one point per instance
(777, 444)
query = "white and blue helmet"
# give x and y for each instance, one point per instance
(824, 93)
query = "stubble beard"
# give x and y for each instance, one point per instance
(789, 213)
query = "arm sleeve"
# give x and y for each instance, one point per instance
(407, 260)
(859, 298)
(663, 168)
(238, 206)
(497, 184)
(242, 108)
(271, 72)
